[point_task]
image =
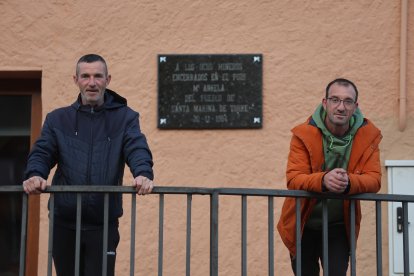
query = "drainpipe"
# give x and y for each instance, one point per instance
(403, 67)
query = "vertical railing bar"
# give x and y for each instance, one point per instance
(270, 235)
(161, 235)
(105, 235)
(132, 245)
(188, 238)
(353, 237)
(214, 202)
(23, 235)
(298, 256)
(51, 229)
(78, 232)
(244, 236)
(379, 236)
(325, 251)
(405, 240)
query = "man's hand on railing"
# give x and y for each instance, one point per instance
(336, 180)
(34, 185)
(143, 185)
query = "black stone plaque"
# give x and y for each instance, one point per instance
(209, 91)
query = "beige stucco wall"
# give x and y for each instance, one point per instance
(305, 44)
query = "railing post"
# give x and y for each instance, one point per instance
(406, 239)
(51, 229)
(188, 239)
(78, 232)
(353, 237)
(161, 235)
(23, 235)
(244, 235)
(325, 234)
(105, 235)
(379, 236)
(132, 245)
(214, 233)
(270, 235)
(298, 239)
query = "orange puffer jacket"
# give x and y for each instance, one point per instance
(304, 172)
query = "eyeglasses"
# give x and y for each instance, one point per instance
(348, 103)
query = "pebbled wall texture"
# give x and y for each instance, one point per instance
(305, 44)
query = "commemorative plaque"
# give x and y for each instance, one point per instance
(209, 91)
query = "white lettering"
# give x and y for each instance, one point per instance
(231, 97)
(180, 108)
(214, 76)
(223, 108)
(206, 66)
(189, 67)
(213, 88)
(221, 118)
(204, 108)
(190, 77)
(230, 66)
(239, 76)
(196, 87)
(239, 108)
(208, 98)
(189, 98)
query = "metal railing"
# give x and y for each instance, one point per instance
(215, 194)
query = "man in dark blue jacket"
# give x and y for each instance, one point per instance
(90, 141)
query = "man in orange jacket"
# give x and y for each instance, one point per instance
(334, 151)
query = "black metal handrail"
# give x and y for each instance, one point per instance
(222, 191)
(214, 194)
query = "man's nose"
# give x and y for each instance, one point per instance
(341, 105)
(92, 81)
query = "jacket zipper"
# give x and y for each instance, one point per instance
(90, 150)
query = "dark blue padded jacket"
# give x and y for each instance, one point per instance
(90, 147)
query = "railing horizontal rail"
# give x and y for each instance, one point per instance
(221, 191)
(214, 194)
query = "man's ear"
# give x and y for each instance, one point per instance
(355, 107)
(324, 103)
(108, 80)
(75, 79)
